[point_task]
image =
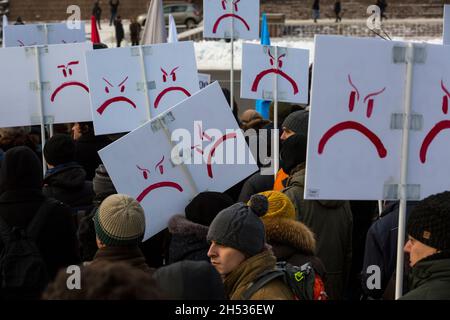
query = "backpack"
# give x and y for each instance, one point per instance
(303, 281)
(23, 271)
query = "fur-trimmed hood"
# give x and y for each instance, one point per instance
(292, 233)
(179, 225)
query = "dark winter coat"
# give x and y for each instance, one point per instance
(255, 184)
(21, 197)
(430, 279)
(130, 255)
(293, 242)
(331, 222)
(239, 280)
(86, 148)
(381, 247)
(68, 184)
(120, 33)
(181, 280)
(188, 240)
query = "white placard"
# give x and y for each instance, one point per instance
(116, 78)
(260, 64)
(429, 147)
(220, 15)
(66, 90)
(41, 34)
(141, 164)
(446, 32)
(203, 80)
(352, 151)
(65, 93)
(18, 87)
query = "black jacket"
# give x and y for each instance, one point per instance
(255, 184)
(20, 199)
(188, 240)
(86, 152)
(381, 247)
(68, 184)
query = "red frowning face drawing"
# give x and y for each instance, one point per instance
(67, 71)
(109, 89)
(169, 77)
(276, 65)
(354, 98)
(146, 174)
(438, 127)
(204, 137)
(235, 8)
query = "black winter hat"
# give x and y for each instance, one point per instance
(240, 226)
(297, 121)
(429, 221)
(20, 169)
(205, 207)
(293, 152)
(59, 149)
(102, 183)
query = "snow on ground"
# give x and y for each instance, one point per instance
(216, 55)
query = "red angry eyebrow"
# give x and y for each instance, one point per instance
(173, 70)
(374, 94)
(71, 63)
(123, 81)
(444, 88)
(283, 55)
(62, 66)
(142, 169)
(108, 82)
(163, 71)
(159, 162)
(354, 87)
(270, 54)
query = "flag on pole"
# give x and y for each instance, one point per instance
(95, 36)
(155, 28)
(4, 24)
(262, 106)
(173, 36)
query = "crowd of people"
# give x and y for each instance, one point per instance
(235, 243)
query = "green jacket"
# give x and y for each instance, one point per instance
(332, 223)
(430, 279)
(238, 281)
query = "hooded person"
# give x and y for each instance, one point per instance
(330, 220)
(291, 240)
(21, 199)
(65, 180)
(428, 247)
(239, 253)
(120, 227)
(103, 187)
(188, 233)
(179, 281)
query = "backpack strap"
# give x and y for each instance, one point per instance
(39, 219)
(261, 281)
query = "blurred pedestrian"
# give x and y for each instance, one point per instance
(114, 6)
(316, 10)
(120, 33)
(135, 32)
(97, 13)
(337, 10)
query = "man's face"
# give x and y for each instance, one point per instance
(417, 250)
(286, 134)
(76, 131)
(224, 259)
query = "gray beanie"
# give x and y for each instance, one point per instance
(102, 183)
(297, 121)
(240, 226)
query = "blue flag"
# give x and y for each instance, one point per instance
(262, 106)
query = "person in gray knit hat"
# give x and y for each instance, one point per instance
(239, 252)
(428, 247)
(120, 227)
(296, 122)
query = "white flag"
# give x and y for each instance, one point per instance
(155, 29)
(173, 36)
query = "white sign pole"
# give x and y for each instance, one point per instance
(276, 140)
(404, 171)
(144, 77)
(46, 33)
(232, 63)
(41, 106)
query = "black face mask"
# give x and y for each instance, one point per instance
(293, 152)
